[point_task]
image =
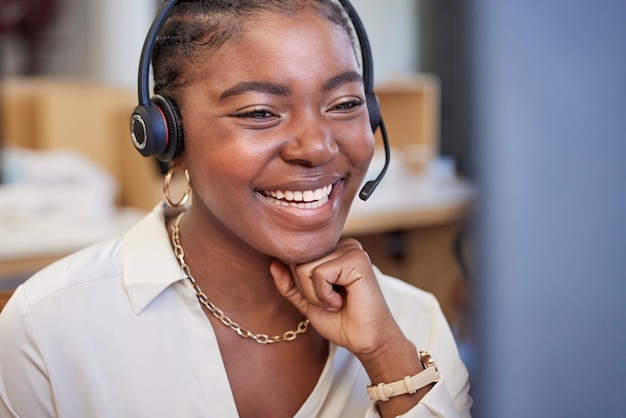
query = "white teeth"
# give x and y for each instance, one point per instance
(300, 205)
(309, 199)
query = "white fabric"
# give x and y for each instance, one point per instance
(114, 331)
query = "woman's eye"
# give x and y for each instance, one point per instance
(256, 114)
(347, 105)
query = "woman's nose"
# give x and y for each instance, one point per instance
(311, 141)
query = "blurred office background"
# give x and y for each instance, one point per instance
(533, 111)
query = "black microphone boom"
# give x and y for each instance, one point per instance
(371, 185)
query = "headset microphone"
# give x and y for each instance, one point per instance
(371, 185)
(373, 106)
(156, 124)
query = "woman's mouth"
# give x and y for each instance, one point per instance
(307, 199)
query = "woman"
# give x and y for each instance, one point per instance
(277, 141)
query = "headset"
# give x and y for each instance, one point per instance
(155, 124)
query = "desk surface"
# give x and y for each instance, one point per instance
(404, 200)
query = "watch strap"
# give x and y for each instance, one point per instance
(410, 384)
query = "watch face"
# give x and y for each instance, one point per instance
(426, 359)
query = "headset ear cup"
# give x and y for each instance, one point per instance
(174, 144)
(373, 109)
(148, 130)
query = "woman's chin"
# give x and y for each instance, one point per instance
(307, 253)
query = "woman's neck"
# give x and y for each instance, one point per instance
(231, 274)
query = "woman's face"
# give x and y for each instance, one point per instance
(277, 137)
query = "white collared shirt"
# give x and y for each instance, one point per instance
(115, 331)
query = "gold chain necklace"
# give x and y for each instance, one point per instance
(217, 312)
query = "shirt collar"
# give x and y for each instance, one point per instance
(148, 260)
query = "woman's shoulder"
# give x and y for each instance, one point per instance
(93, 263)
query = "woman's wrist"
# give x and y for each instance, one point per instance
(393, 362)
(397, 358)
(384, 391)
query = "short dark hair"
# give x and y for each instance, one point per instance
(195, 28)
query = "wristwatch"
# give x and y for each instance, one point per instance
(410, 384)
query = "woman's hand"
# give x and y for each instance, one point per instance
(341, 297)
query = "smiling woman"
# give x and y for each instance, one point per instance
(263, 105)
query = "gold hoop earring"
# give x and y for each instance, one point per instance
(166, 189)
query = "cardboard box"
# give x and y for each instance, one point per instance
(410, 110)
(90, 118)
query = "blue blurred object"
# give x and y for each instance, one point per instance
(550, 100)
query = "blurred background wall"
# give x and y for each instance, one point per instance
(86, 39)
(101, 40)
